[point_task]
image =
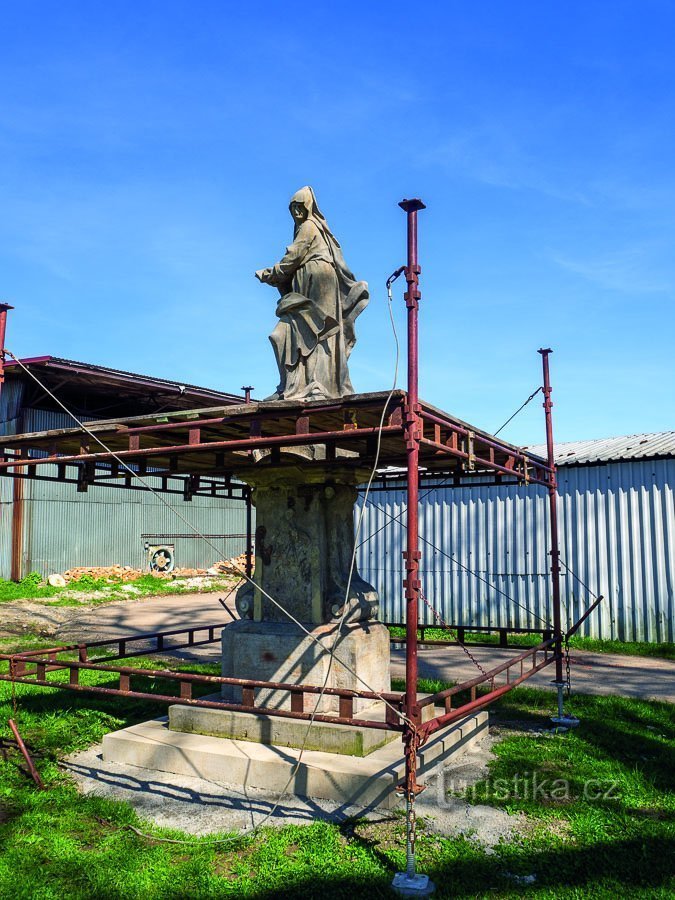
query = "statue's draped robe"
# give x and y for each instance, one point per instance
(320, 300)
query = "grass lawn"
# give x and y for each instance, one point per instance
(58, 844)
(663, 650)
(88, 589)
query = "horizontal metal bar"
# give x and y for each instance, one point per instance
(488, 440)
(128, 639)
(199, 679)
(473, 628)
(483, 463)
(256, 443)
(489, 675)
(479, 703)
(209, 704)
(258, 414)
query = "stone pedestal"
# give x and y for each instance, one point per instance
(282, 652)
(304, 545)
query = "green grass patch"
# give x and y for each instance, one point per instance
(88, 589)
(617, 840)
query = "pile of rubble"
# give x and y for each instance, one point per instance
(123, 573)
(234, 566)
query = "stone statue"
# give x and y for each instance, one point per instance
(320, 300)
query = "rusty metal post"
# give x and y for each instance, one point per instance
(553, 511)
(560, 718)
(409, 882)
(35, 775)
(247, 388)
(413, 433)
(249, 534)
(4, 308)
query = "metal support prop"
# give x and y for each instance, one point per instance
(249, 534)
(553, 512)
(4, 308)
(560, 719)
(409, 883)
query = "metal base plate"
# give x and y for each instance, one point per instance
(565, 721)
(417, 886)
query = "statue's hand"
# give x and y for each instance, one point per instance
(263, 274)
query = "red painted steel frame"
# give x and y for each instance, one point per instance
(34, 666)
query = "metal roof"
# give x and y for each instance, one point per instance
(601, 450)
(119, 377)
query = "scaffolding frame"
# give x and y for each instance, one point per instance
(198, 453)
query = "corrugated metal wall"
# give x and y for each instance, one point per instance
(106, 526)
(617, 525)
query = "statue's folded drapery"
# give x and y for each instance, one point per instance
(320, 300)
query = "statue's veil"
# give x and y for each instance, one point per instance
(353, 294)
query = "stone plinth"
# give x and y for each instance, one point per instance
(352, 740)
(348, 740)
(282, 652)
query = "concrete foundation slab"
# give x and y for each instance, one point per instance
(364, 782)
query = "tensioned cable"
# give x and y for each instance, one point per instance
(189, 524)
(520, 408)
(576, 578)
(445, 480)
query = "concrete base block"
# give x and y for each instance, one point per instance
(365, 782)
(280, 652)
(349, 740)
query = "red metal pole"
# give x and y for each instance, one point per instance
(413, 433)
(26, 755)
(4, 307)
(249, 534)
(553, 514)
(409, 880)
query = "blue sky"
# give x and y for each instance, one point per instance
(148, 152)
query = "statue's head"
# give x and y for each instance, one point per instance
(301, 204)
(299, 212)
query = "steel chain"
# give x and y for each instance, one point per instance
(440, 619)
(568, 678)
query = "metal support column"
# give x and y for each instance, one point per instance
(408, 883)
(249, 534)
(559, 682)
(4, 308)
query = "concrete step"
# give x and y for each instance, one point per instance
(367, 782)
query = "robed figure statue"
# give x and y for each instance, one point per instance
(320, 300)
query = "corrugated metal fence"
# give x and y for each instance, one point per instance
(484, 551)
